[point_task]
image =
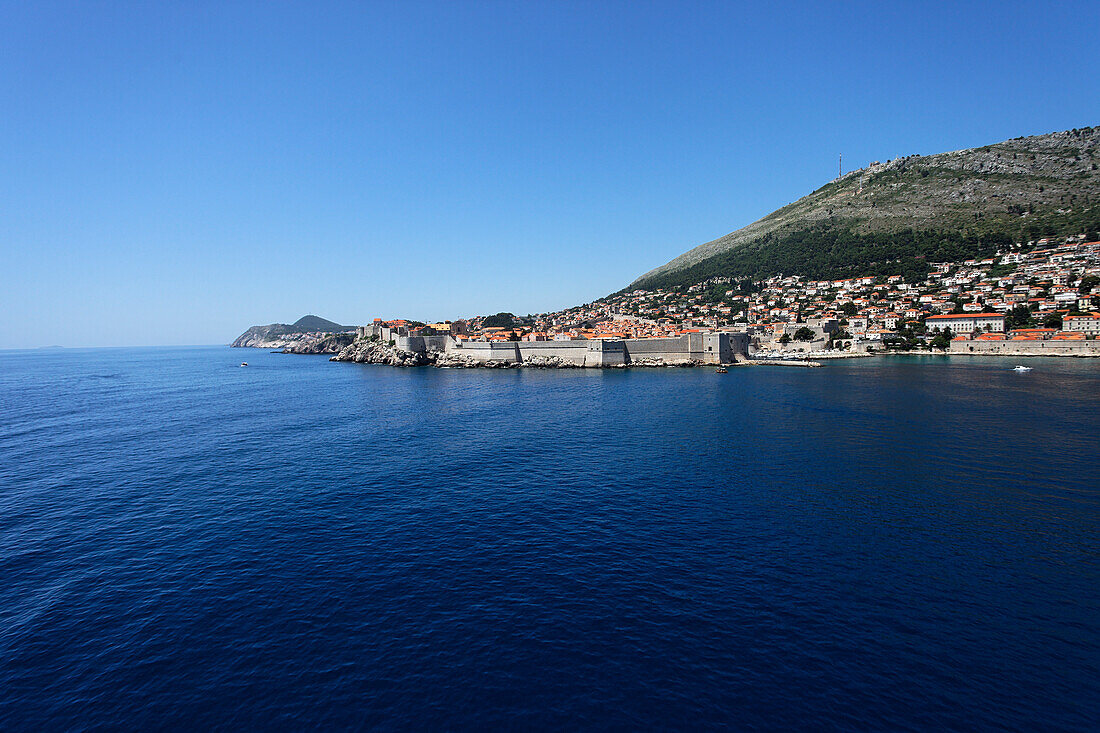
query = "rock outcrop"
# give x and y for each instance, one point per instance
(549, 362)
(364, 351)
(652, 362)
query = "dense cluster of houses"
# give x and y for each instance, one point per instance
(1047, 290)
(1058, 283)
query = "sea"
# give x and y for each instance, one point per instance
(907, 543)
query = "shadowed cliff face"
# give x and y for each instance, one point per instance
(1019, 189)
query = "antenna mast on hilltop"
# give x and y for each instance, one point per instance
(840, 166)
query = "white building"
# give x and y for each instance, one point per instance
(1088, 323)
(966, 322)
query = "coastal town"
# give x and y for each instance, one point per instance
(1035, 299)
(1042, 291)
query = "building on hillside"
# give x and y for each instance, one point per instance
(452, 327)
(1032, 334)
(1088, 324)
(966, 322)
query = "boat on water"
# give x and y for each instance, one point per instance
(721, 370)
(244, 363)
(1022, 368)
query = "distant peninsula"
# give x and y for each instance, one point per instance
(308, 335)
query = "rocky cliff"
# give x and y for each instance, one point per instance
(364, 351)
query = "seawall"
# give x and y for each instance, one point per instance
(1025, 348)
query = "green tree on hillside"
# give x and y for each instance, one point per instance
(1019, 317)
(499, 320)
(942, 340)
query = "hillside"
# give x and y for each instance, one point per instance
(278, 335)
(894, 217)
(308, 324)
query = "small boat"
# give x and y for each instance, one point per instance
(244, 363)
(1021, 368)
(721, 370)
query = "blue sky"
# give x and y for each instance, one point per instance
(171, 173)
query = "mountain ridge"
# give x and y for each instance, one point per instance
(277, 335)
(887, 216)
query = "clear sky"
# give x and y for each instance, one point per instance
(171, 173)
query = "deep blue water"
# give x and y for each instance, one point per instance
(878, 544)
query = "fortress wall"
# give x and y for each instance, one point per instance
(710, 348)
(695, 345)
(738, 345)
(1026, 348)
(574, 351)
(438, 343)
(645, 347)
(724, 347)
(670, 349)
(486, 350)
(410, 343)
(603, 353)
(593, 353)
(421, 344)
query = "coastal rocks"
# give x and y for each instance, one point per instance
(548, 362)
(656, 362)
(376, 352)
(455, 361)
(331, 344)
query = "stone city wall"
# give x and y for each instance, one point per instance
(1026, 348)
(591, 353)
(710, 348)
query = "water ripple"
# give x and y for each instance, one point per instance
(883, 544)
